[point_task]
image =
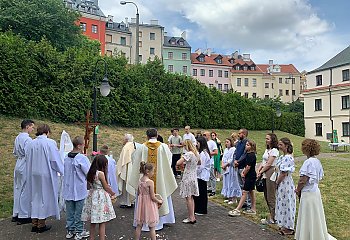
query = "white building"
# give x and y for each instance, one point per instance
(326, 99)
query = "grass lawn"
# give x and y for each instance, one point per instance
(334, 188)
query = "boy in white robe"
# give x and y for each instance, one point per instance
(43, 165)
(20, 199)
(112, 171)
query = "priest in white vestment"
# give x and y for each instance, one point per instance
(21, 203)
(160, 156)
(44, 163)
(124, 166)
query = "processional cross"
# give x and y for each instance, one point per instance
(89, 128)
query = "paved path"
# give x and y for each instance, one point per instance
(216, 225)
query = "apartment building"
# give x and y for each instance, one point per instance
(212, 70)
(177, 55)
(92, 21)
(326, 99)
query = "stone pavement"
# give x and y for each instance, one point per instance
(215, 225)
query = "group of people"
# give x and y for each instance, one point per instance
(145, 177)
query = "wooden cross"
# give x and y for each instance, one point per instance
(89, 128)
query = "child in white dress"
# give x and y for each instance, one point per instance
(98, 208)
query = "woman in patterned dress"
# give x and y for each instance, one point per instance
(189, 183)
(98, 208)
(285, 196)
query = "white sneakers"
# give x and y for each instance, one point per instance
(69, 235)
(78, 236)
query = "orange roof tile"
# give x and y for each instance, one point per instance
(285, 68)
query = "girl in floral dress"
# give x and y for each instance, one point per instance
(285, 195)
(147, 203)
(98, 208)
(189, 182)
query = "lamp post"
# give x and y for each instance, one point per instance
(278, 114)
(137, 50)
(105, 88)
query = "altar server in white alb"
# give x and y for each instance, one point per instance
(159, 155)
(43, 165)
(76, 168)
(124, 166)
(21, 203)
(112, 177)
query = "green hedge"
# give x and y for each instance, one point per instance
(41, 82)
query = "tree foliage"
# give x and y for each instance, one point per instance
(35, 20)
(39, 81)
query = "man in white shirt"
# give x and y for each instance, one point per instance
(213, 149)
(189, 136)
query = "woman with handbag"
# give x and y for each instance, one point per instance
(266, 171)
(285, 197)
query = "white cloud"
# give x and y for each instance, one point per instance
(288, 31)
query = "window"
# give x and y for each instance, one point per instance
(211, 73)
(254, 82)
(287, 80)
(272, 85)
(293, 80)
(226, 74)
(252, 68)
(109, 53)
(201, 59)
(237, 67)
(318, 104)
(184, 56)
(225, 87)
(108, 38)
(170, 55)
(280, 80)
(140, 43)
(246, 95)
(83, 26)
(346, 75)
(184, 69)
(318, 80)
(293, 92)
(280, 92)
(245, 68)
(318, 127)
(346, 129)
(267, 96)
(219, 61)
(220, 86)
(287, 92)
(152, 36)
(123, 41)
(211, 85)
(171, 68)
(94, 28)
(140, 58)
(181, 43)
(239, 82)
(194, 72)
(345, 102)
(254, 95)
(219, 73)
(152, 50)
(266, 85)
(246, 82)
(202, 72)
(140, 34)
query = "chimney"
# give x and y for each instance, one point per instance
(270, 68)
(154, 22)
(246, 57)
(198, 51)
(183, 35)
(133, 20)
(208, 51)
(126, 22)
(165, 33)
(110, 18)
(270, 62)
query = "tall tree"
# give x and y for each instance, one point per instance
(35, 20)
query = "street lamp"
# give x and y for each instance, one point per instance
(278, 114)
(105, 89)
(137, 50)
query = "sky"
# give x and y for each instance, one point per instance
(306, 33)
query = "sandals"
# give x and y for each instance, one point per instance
(284, 233)
(250, 212)
(234, 213)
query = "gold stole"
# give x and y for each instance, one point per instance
(152, 158)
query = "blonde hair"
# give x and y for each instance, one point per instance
(234, 136)
(188, 145)
(252, 146)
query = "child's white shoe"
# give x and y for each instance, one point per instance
(69, 235)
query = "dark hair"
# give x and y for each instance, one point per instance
(78, 141)
(144, 167)
(252, 146)
(214, 133)
(310, 147)
(231, 141)
(99, 163)
(288, 143)
(160, 138)
(176, 129)
(104, 150)
(151, 133)
(245, 131)
(203, 145)
(26, 122)
(42, 129)
(274, 141)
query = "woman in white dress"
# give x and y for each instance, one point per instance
(189, 183)
(311, 223)
(285, 194)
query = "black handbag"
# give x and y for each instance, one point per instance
(260, 184)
